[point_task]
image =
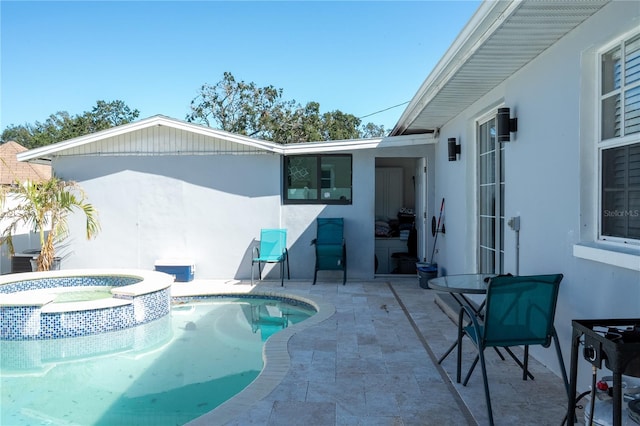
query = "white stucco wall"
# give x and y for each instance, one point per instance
(210, 208)
(207, 208)
(23, 239)
(545, 167)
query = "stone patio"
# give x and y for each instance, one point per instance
(369, 357)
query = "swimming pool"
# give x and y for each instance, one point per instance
(211, 344)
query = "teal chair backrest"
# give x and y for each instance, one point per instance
(330, 230)
(273, 243)
(520, 310)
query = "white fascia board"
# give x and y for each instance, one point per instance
(40, 154)
(44, 154)
(358, 144)
(468, 41)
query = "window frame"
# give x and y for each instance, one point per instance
(603, 144)
(321, 179)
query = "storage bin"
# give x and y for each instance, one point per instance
(405, 263)
(182, 269)
(426, 271)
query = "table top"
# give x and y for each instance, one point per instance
(464, 283)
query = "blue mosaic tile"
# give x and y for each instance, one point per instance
(80, 281)
(28, 322)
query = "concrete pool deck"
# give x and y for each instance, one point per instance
(369, 358)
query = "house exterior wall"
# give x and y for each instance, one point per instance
(206, 208)
(23, 239)
(210, 208)
(546, 165)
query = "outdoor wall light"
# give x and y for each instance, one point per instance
(453, 149)
(505, 124)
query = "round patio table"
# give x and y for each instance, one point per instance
(461, 284)
(457, 286)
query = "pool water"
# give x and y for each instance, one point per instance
(103, 292)
(213, 351)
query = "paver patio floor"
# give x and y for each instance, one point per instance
(371, 360)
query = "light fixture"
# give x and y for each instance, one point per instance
(453, 149)
(506, 125)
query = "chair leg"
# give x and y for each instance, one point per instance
(288, 271)
(473, 367)
(486, 385)
(525, 368)
(282, 274)
(344, 264)
(520, 364)
(459, 362)
(448, 351)
(563, 370)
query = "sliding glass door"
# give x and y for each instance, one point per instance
(491, 199)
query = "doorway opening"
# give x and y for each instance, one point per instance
(400, 205)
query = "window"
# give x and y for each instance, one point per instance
(317, 179)
(619, 144)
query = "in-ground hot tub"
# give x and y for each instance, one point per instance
(31, 305)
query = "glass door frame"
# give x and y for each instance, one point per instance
(490, 195)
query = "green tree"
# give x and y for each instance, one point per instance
(62, 126)
(45, 206)
(338, 125)
(108, 114)
(371, 130)
(236, 106)
(21, 134)
(245, 108)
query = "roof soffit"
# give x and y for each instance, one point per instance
(501, 38)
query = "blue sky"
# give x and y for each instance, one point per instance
(358, 57)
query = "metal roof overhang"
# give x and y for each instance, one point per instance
(500, 38)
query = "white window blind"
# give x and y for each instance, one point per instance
(620, 141)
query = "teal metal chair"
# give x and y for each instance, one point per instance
(331, 249)
(272, 249)
(519, 311)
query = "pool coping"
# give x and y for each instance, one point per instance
(275, 354)
(151, 281)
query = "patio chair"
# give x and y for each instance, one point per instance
(519, 311)
(331, 249)
(273, 249)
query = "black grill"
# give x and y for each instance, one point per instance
(614, 341)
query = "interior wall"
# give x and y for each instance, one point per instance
(409, 169)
